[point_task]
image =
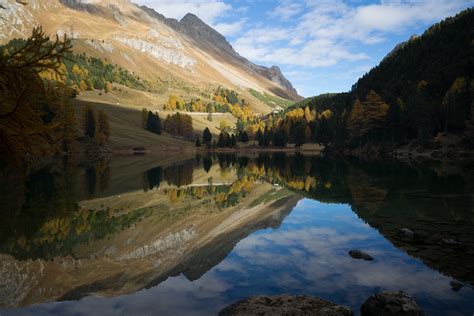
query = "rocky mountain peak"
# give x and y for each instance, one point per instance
(198, 30)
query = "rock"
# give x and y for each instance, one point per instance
(390, 303)
(406, 234)
(452, 243)
(357, 254)
(285, 305)
(456, 285)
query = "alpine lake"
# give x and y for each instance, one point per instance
(188, 236)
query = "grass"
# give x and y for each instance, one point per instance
(270, 196)
(126, 129)
(270, 100)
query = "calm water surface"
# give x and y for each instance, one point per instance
(134, 236)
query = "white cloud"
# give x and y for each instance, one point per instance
(207, 10)
(326, 32)
(286, 10)
(229, 29)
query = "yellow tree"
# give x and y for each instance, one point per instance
(368, 118)
(25, 130)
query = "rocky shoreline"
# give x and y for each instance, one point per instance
(381, 304)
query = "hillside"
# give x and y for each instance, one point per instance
(421, 93)
(127, 58)
(163, 51)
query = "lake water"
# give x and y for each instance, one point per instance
(136, 236)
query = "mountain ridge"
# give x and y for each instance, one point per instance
(192, 26)
(144, 41)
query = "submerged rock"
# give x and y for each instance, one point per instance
(452, 243)
(456, 285)
(357, 254)
(286, 305)
(390, 304)
(406, 233)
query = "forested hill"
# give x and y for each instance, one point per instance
(426, 81)
(422, 88)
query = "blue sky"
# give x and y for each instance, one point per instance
(321, 46)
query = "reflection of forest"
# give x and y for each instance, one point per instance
(436, 202)
(184, 218)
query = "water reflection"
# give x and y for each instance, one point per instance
(217, 228)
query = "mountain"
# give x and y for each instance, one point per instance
(421, 94)
(211, 41)
(145, 42)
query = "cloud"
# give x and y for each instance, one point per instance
(400, 15)
(229, 29)
(326, 33)
(207, 10)
(286, 10)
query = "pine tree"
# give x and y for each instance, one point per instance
(144, 117)
(153, 123)
(221, 140)
(300, 137)
(88, 122)
(104, 127)
(260, 138)
(244, 137)
(206, 137)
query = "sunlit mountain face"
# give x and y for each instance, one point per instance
(127, 234)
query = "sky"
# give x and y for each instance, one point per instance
(320, 46)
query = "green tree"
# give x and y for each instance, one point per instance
(103, 127)
(244, 137)
(456, 106)
(206, 137)
(144, 117)
(153, 123)
(259, 138)
(300, 137)
(88, 122)
(233, 141)
(221, 142)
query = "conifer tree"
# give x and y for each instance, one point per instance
(206, 137)
(103, 128)
(88, 122)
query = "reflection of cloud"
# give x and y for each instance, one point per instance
(318, 255)
(306, 255)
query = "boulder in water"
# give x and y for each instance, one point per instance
(456, 285)
(406, 234)
(285, 305)
(452, 243)
(390, 304)
(357, 254)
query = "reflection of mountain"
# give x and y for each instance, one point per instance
(188, 235)
(209, 255)
(163, 221)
